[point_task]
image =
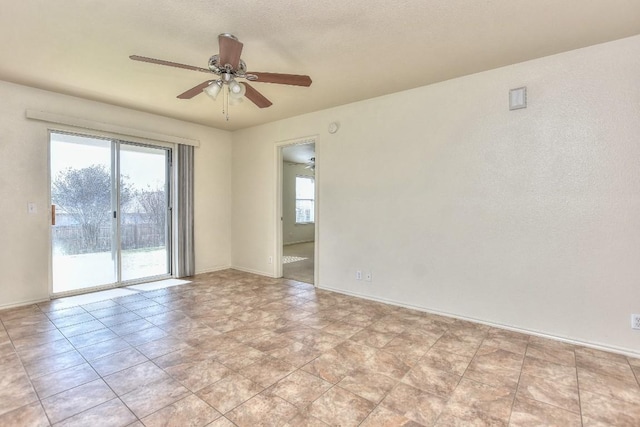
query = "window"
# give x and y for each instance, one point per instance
(305, 199)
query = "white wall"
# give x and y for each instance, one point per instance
(527, 218)
(292, 232)
(24, 177)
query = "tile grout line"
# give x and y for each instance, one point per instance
(94, 370)
(418, 361)
(578, 385)
(29, 378)
(633, 371)
(515, 394)
(548, 403)
(100, 376)
(461, 376)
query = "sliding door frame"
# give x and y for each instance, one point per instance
(116, 243)
(169, 222)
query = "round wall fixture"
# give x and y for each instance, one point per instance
(333, 127)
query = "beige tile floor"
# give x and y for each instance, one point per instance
(303, 270)
(238, 349)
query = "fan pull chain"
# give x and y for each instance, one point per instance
(225, 106)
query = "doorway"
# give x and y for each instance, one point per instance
(111, 220)
(299, 212)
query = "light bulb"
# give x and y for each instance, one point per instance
(236, 90)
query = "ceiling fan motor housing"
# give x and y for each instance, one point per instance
(214, 65)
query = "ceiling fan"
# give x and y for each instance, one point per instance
(228, 66)
(311, 164)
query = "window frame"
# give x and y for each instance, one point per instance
(313, 200)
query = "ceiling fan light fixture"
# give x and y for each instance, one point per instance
(213, 89)
(311, 164)
(236, 90)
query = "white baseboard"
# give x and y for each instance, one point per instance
(213, 269)
(298, 242)
(597, 346)
(249, 270)
(23, 303)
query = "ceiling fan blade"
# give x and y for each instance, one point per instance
(168, 63)
(196, 90)
(256, 97)
(230, 50)
(282, 79)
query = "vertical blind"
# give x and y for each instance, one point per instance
(185, 259)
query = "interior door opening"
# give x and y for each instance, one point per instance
(110, 212)
(298, 212)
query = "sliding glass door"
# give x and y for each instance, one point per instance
(82, 194)
(144, 215)
(110, 212)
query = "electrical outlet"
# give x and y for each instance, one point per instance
(635, 321)
(367, 276)
(270, 260)
(358, 275)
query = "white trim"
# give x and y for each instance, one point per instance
(109, 286)
(23, 303)
(106, 127)
(279, 239)
(299, 241)
(597, 346)
(49, 219)
(249, 270)
(279, 214)
(213, 269)
(82, 291)
(316, 215)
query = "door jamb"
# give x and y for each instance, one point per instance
(277, 268)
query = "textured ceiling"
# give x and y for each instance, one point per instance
(352, 50)
(299, 153)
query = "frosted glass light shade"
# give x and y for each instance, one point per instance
(213, 89)
(237, 90)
